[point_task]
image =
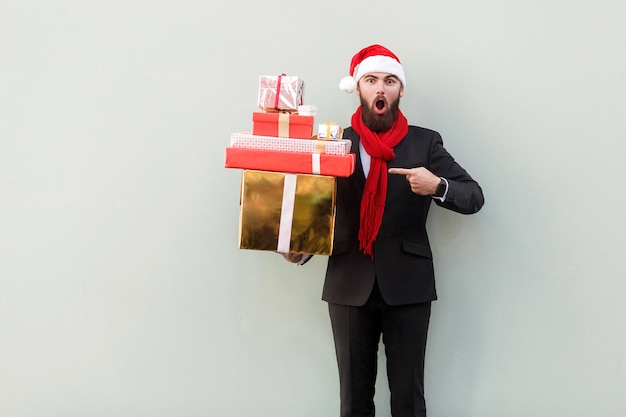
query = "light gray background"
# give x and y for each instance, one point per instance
(123, 291)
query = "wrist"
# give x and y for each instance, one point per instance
(440, 188)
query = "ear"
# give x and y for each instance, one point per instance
(401, 91)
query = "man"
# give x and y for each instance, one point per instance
(380, 278)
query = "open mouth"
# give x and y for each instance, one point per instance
(380, 105)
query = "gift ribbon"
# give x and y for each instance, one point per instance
(320, 146)
(316, 164)
(278, 91)
(283, 125)
(286, 213)
(328, 126)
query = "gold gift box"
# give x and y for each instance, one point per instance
(329, 131)
(287, 213)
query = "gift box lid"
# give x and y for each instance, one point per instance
(272, 117)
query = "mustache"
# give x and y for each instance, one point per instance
(379, 98)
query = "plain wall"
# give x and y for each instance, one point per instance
(122, 288)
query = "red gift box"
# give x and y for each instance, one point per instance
(282, 125)
(291, 162)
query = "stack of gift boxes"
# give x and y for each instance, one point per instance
(288, 177)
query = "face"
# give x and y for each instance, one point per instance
(380, 98)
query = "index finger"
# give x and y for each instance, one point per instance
(400, 171)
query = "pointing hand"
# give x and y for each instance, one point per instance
(421, 180)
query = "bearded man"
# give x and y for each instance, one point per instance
(380, 279)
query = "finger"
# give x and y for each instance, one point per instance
(399, 171)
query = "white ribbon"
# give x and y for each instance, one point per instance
(286, 213)
(316, 167)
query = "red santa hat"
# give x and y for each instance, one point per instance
(373, 58)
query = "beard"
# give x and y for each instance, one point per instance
(379, 122)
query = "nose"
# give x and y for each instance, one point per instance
(380, 87)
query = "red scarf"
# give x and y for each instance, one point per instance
(380, 147)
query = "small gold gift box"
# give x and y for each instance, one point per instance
(287, 213)
(329, 131)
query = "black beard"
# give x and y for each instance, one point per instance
(379, 122)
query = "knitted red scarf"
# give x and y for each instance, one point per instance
(380, 147)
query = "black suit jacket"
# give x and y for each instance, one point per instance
(402, 263)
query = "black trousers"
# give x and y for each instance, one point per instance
(357, 332)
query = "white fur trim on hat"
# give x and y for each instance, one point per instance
(379, 63)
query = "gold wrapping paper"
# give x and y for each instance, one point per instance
(287, 213)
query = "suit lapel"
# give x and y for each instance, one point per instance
(356, 149)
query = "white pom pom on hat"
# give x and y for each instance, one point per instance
(373, 58)
(347, 84)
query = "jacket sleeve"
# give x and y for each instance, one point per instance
(464, 194)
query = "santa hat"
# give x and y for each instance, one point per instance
(373, 58)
